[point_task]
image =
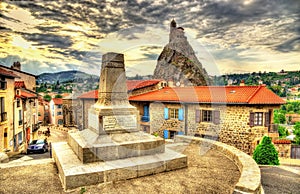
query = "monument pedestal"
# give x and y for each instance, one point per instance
(112, 147)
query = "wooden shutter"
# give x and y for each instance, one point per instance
(166, 134)
(166, 113)
(198, 116)
(267, 119)
(251, 119)
(180, 114)
(216, 117)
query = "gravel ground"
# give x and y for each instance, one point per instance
(209, 173)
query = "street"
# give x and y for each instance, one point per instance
(56, 135)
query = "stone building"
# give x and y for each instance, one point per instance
(236, 115)
(71, 111)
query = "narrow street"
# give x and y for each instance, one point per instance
(56, 135)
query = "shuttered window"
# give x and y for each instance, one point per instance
(174, 113)
(211, 116)
(267, 119)
(256, 119)
(198, 116)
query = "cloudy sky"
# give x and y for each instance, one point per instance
(228, 36)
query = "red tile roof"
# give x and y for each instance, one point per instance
(20, 84)
(57, 101)
(131, 85)
(8, 73)
(27, 94)
(282, 141)
(213, 94)
(137, 84)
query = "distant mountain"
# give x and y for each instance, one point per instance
(65, 76)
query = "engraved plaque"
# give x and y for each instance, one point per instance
(118, 122)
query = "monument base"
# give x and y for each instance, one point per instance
(91, 147)
(73, 173)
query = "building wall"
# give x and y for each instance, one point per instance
(86, 105)
(7, 125)
(234, 128)
(284, 150)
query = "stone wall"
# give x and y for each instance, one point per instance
(86, 105)
(157, 121)
(283, 148)
(234, 128)
(250, 179)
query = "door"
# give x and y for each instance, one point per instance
(5, 138)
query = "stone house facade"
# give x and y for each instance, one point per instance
(236, 115)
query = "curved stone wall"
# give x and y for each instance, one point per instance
(250, 179)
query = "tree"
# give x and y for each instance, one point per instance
(283, 132)
(58, 96)
(47, 97)
(296, 132)
(265, 152)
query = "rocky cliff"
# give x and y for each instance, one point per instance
(178, 62)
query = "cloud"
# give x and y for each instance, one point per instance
(79, 32)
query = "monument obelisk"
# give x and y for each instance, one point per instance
(113, 113)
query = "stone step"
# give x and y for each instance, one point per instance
(74, 173)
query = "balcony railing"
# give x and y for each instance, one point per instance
(3, 116)
(273, 128)
(3, 85)
(35, 127)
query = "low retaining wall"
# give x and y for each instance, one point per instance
(250, 179)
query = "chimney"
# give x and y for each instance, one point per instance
(242, 83)
(16, 66)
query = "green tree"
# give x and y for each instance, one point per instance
(47, 97)
(283, 132)
(58, 96)
(265, 152)
(296, 132)
(279, 118)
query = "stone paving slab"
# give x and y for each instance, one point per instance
(73, 173)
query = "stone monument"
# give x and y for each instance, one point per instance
(112, 147)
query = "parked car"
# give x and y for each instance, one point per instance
(39, 145)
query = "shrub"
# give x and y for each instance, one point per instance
(265, 153)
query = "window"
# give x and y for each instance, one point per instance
(3, 84)
(206, 115)
(20, 117)
(256, 119)
(59, 113)
(3, 116)
(173, 113)
(210, 116)
(18, 103)
(59, 106)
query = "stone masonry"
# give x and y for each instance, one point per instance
(234, 128)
